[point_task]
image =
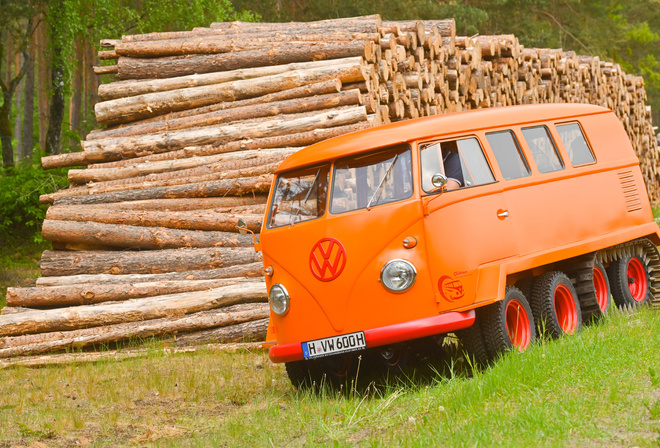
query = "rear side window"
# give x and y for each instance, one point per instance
(508, 154)
(460, 160)
(543, 149)
(572, 137)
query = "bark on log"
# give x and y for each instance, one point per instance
(121, 157)
(209, 220)
(238, 187)
(183, 167)
(327, 101)
(353, 24)
(136, 237)
(172, 66)
(172, 305)
(216, 135)
(58, 263)
(121, 89)
(240, 270)
(76, 339)
(87, 294)
(211, 44)
(249, 331)
(228, 204)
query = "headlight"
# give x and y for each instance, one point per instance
(398, 275)
(279, 299)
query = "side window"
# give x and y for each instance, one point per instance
(508, 154)
(543, 149)
(462, 161)
(572, 137)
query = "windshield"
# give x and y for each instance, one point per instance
(299, 196)
(366, 181)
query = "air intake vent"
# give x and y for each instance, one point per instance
(630, 191)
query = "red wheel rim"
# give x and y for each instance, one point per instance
(637, 283)
(565, 309)
(517, 325)
(600, 284)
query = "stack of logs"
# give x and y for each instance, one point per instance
(196, 122)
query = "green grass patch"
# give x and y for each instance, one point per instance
(19, 262)
(598, 388)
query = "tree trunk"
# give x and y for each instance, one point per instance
(75, 103)
(222, 318)
(86, 316)
(28, 113)
(56, 113)
(137, 237)
(172, 66)
(207, 220)
(43, 78)
(241, 270)
(58, 263)
(128, 109)
(87, 294)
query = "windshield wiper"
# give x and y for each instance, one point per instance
(382, 181)
(309, 192)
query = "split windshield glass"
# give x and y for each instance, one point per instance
(369, 180)
(299, 196)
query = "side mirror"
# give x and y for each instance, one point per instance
(439, 180)
(242, 227)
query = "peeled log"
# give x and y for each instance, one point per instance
(136, 237)
(58, 263)
(172, 66)
(121, 89)
(87, 294)
(122, 110)
(241, 270)
(296, 105)
(40, 343)
(168, 141)
(209, 220)
(239, 187)
(86, 316)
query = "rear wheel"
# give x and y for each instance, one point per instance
(508, 324)
(602, 287)
(555, 305)
(630, 281)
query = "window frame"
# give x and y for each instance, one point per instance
(584, 136)
(553, 144)
(521, 153)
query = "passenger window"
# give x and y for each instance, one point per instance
(543, 149)
(462, 161)
(572, 137)
(508, 154)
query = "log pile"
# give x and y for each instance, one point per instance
(195, 123)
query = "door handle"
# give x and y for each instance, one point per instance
(502, 214)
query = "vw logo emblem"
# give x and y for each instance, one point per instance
(327, 259)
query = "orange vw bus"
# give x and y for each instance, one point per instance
(489, 224)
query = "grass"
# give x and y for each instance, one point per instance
(598, 388)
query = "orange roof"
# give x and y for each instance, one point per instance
(434, 126)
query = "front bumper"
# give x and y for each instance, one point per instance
(390, 334)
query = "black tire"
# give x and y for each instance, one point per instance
(602, 290)
(508, 324)
(473, 345)
(555, 305)
(629, 281)
(525, 286)
(333, 372)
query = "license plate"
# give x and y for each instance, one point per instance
(336, 344)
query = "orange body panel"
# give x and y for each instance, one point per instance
(469, 242)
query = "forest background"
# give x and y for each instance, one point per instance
(48, 49)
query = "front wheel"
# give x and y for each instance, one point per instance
(630, 282)
(508, 324)
(555, 305)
